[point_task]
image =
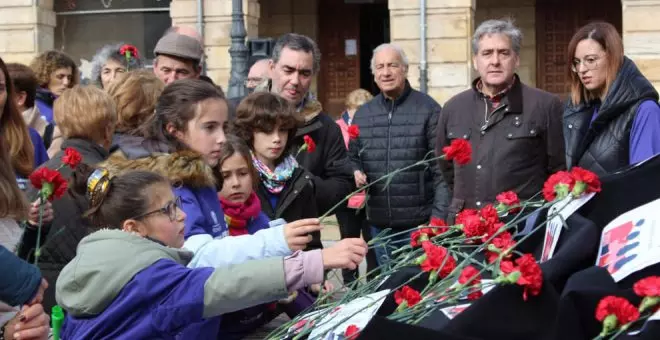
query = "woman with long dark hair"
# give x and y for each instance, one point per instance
(612, 118)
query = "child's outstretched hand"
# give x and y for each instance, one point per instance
(297, 232)
(345, 254)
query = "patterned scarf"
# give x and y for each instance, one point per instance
(274, 181)
(237, 215)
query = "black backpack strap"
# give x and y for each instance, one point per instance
(48, 135)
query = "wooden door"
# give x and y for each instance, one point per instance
(339, 32)
(556, 22)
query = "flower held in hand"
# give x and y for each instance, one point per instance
(50, 183)
(71, 157)
(459, 150)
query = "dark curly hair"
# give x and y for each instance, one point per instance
(262, 112)
(50, 61)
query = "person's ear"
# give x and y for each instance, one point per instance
(173, 131)
(21, 97)
(134, 226)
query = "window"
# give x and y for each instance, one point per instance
(84, 26)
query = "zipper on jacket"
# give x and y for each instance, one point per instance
(487, 116)
(387, 163)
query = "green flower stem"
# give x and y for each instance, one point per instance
(37, 249)
(384, 177)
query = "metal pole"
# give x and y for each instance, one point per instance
(200, 29)
(238, 52)
(423, 75)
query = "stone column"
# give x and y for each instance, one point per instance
(450, 24)
(641, 36)
(217, 30)
(27, 28)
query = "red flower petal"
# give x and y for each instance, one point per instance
(459, 150)
(438, 259)
(649, 286)
(411, 296)
(556, 181)
(469, 276)
(589, 178)
(311, 145)
(624, 311)
(353, 132)
(71, 157)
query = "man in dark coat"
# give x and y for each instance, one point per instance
(515, 130)
(397, 129)
(295, 61)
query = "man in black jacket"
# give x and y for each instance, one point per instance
(295, 61)
(397, 129)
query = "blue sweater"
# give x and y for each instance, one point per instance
(19, 281)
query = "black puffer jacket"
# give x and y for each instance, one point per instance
(393, 135)
(603, 146)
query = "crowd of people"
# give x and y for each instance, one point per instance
(195, 216)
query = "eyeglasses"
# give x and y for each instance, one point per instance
(253, 82)
(169, 209)
(590, 63)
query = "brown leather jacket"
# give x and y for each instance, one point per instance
(515, 147)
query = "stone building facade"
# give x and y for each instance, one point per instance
(346, 30)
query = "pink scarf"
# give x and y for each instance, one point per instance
(237, 215)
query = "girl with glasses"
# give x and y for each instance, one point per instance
(130, 279)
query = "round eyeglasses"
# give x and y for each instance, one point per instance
(589, 63)
(169, 209)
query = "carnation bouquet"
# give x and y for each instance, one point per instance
(460, 263)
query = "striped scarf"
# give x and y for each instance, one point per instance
(275, 181)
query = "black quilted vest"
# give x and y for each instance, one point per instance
(604, 145)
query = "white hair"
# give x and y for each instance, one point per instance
(388, 46)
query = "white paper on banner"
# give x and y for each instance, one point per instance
(631, 242)
(654, 317)
(486, 286)
(566, 207)
(357, 312)
(452, 311)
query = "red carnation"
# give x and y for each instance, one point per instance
(352, 332)
(525, 273)
(461, 216)
(50, 183)
(129, 48)
(310, 145)
(614, 311)
(353, 132)
(489, 214)
(408, 295)
(502, 243)
(585, 181)
(649, 286)
(531, 277)
(420, 236)
(508, 200)
(437, 259)
(649, 289)
(558, 185)
(470, 277)
(71, 157)
(459, 150)
(440, 224)
(473, 226)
